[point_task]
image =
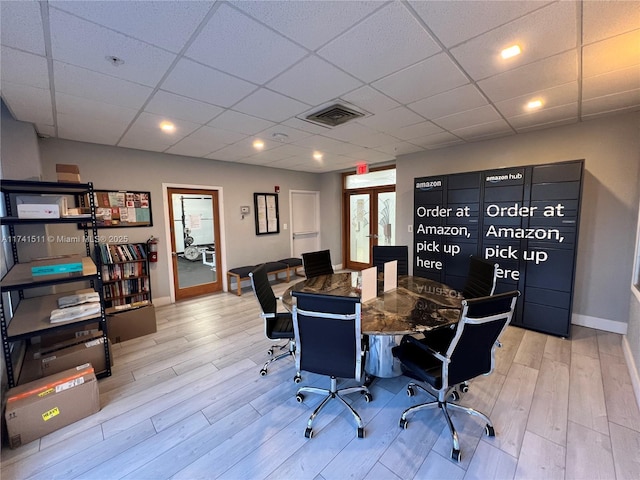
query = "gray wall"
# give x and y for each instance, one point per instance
(128, 169)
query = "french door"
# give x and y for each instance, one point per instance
(369, 220)
(195, 233)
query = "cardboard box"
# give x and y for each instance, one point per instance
(56, 338)
(41, 206)
(62, 266)
(38, 408)
(132, 323)
(71, 353)
(67, 173)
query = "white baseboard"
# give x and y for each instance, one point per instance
(599, 323)
(633, 369)
(160, 301)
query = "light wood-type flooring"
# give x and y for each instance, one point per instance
(188, 402)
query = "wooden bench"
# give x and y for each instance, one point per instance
(242, 273)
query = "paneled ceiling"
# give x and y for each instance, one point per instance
(426, 74)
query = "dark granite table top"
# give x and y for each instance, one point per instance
(417, 305)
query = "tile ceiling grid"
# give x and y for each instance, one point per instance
(424, 72)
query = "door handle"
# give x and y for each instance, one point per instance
(372, 236)
(174, 254)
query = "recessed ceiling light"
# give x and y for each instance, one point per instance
(511, 51)
(534, 104)
(167, 127)
(258, 144)
(317, 156)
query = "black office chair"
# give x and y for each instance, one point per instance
(384, 253)
(278, 325)
(481, 279)
(317, 263)
(450, 357)
(329, 342)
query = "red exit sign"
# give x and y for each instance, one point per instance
(362, 168)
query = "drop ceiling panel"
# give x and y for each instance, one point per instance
(401, 148)
(448, 103)
(230, 35)
(545, 116)
(369, 155)
(24, 68)
(233, 152)
(612, 82)
(217, 137)
(21, 26)
(437, 140)
(311, 24)
(175, 106)
(28, 104)
(306, 126)
(605, 19)
(391, 119)
(471, 18)
(270, 106)
(417, 130)
(292, 134)
(96, 86)
(618, 102)
(314, 81)
(151, 121)
(493, 129)
(370, 100)
(147, 21)
(546, 32)
(91, 130)
(383, 43)
(324, 144)
(350, 132)
(556, 70)
(551, 97)
(598, 58)
(198, 82)
(194, 147)
(239, 122)
(263, 158)
(144, 138)
(429, 77)
(84, 110)
(143, 63)
(477, 116)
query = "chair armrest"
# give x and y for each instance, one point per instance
(422, 346)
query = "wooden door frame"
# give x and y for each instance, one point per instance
(220, 244)
(373, 215)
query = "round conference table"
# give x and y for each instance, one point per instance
(417, 305)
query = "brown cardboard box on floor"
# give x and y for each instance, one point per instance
(74, 352)
(43, 406)
(133, 323)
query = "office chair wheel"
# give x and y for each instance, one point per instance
(464, 388)
(489, 430)
(308, 432)
(270, 352)
(297, 378)
(299, 398)
(410, 391)
(403, 423)
(455, 454)
(368, 397)
(263, 372)
(455, 396)
(360, 432)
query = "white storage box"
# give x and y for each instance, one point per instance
(45, 206)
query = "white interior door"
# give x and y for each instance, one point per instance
(305, 222)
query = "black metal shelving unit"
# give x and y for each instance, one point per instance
(23, 318)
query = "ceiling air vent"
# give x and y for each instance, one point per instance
(334, 115)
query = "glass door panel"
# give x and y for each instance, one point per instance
(386, 218)
(360, 228)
